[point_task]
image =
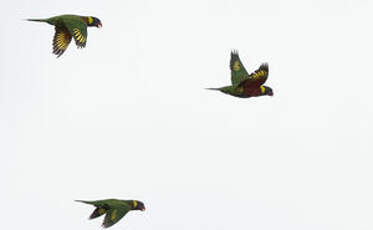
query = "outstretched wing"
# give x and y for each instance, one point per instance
(238, 71)
(114, 214)
(97, 212)
(78, 29)
(256, 79)
(61, 40)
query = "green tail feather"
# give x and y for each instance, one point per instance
(86, 202)
(37, 20)
(212, 88)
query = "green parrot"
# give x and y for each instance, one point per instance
(246, 85)
(68, 26)
(114, 209)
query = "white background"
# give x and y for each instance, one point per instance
(128, 117)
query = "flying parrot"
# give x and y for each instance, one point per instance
(67, 27)
(246, 85)
(114, 209)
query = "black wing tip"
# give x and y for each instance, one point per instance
(106, 225)
(80, 45)
(234, 52)
(264, 66)
(58, 54)
(91, 217)
(57, 51)
(96, 213)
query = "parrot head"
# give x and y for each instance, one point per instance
(138, 205)
(268, 91)
(93, 21)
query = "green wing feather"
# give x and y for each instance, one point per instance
(114, 214)
(113, 208)
(78, 30)
(238, 71)
(98, 212)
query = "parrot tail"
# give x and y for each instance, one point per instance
(36, 20)
(83, 201)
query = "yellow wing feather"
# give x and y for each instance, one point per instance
(79, 37)
(61, 41)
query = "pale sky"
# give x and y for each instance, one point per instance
(128, 117)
